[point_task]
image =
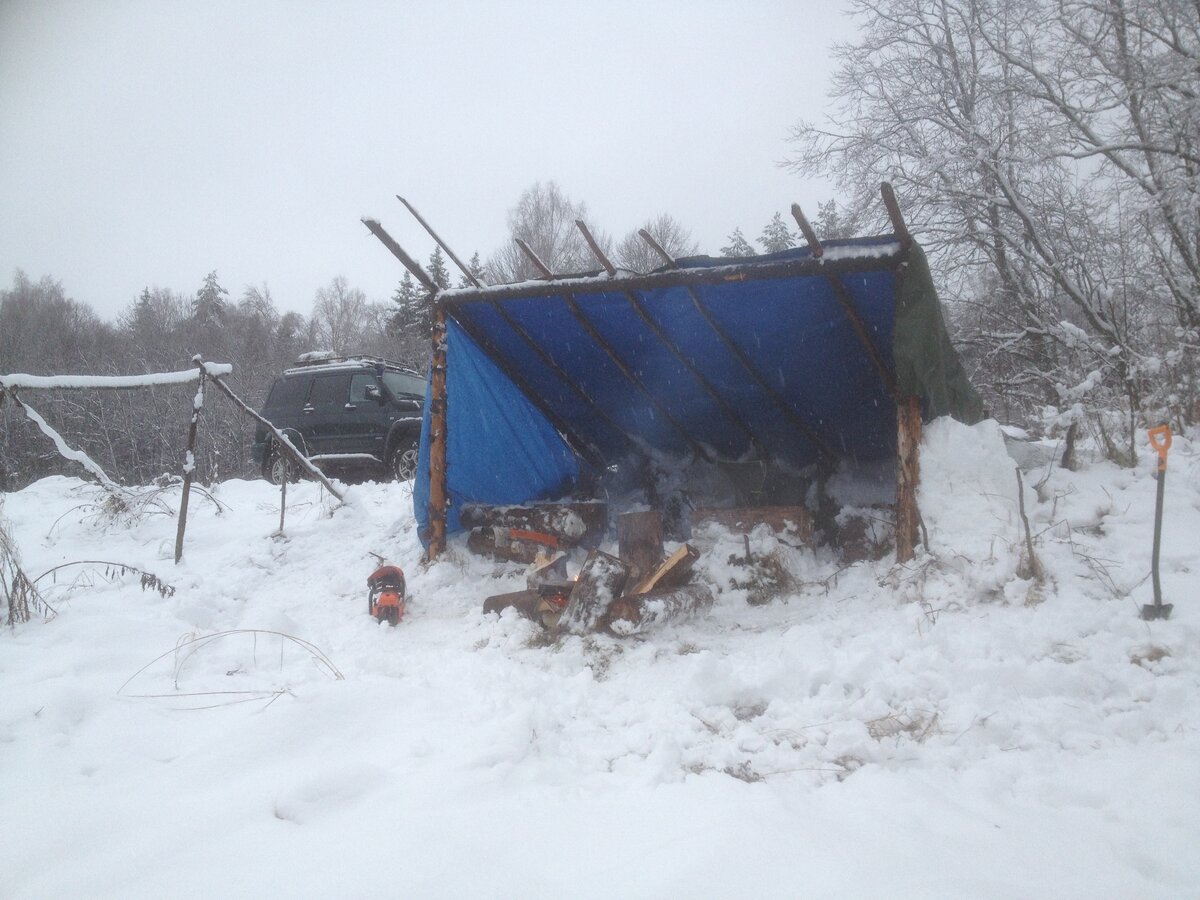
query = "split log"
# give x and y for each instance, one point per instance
(525, 602)
(640, 542)
(795, 519)
(634, 613)
(673, 572)
(536, 605)
(573, 524)
(600, 581)
(551, 572)
(510, 544)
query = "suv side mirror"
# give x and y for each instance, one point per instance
(374, 393)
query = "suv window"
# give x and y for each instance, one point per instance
(329, 389)
(404, 385)
(358, 387)
(287, 392)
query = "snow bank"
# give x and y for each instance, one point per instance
(935, 730)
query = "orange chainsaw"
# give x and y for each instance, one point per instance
(386, 598)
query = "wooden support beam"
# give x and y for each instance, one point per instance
(908, 476)
(558, 370)
(534, 259)
(439, 497)
(657, 248)
(893, 210)
(397, 251)
(574, 439)
(748, 366)
(189, 465)
(769, 270)
(806, 229)
(846, 299)
(632, 377)
(595, 248)
(709, 388)
(467, 273)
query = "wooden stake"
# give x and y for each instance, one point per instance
(908, 476)
(189, 464)
(282, 502)
(438, 494)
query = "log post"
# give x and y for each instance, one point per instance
(438, 494)
(908, 476)
(640, 542)
(189, 464)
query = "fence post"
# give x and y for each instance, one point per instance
(189, 464)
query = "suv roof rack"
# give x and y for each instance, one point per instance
(329, 358)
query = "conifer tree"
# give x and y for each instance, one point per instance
(738, 245)
(776, 236)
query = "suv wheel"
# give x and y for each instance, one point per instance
(280, 468)
(403, 464)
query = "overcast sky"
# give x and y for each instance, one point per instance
(148, 143)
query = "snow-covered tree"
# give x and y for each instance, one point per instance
(738, 245)
(776, 236)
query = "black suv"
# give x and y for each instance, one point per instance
(352, 412)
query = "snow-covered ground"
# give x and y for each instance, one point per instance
(945, 729)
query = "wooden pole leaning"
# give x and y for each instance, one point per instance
(189, 462)
(289, 450)
(439, 505)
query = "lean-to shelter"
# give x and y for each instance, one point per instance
(795, 358)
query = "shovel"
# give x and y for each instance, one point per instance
(1160, 440)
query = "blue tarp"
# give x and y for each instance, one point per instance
(500, 448)
(559, 346)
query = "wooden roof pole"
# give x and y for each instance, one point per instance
(640, 309)
(397, 251)
(780, 403)
(844, 297)
(633, 378)
(534, 258)
(576, 441)
(595, 248)
(467, 274)
(549, 362)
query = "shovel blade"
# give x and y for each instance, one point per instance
(1153, 611)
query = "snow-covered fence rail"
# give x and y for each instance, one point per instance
(10, 385)
(108, 382)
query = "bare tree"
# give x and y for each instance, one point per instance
(635, 254)
(544, 218)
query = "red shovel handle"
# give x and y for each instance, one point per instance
(1160, 440)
